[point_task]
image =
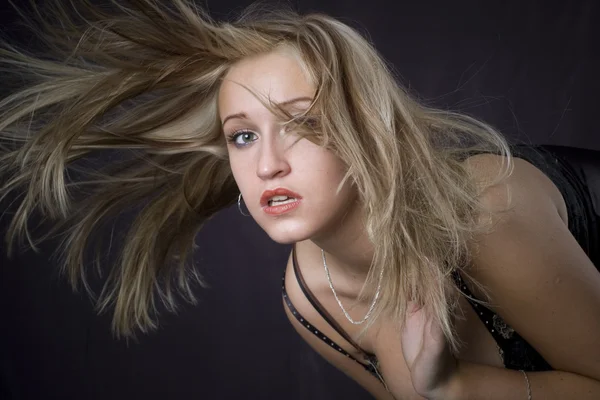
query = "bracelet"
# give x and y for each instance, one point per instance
(528, 385)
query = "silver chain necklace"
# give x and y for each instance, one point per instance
(368, 314)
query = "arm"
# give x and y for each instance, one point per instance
(483, 382)
(544, 286)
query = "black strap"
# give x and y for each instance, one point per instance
(321, 310)
(371, 366)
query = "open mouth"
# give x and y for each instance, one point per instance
(280, 200)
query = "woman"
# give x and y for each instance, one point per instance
(461, 263)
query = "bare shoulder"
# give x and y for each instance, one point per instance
(535, 271)
(526, 185)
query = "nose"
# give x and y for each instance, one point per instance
(271, 161)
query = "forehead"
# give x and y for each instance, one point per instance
(277, 76)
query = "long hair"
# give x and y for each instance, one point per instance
(141, 79)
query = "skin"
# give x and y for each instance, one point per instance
(533, 269)
(269, 158)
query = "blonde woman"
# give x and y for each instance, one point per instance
(429, 260)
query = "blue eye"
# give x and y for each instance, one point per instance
(242, 138)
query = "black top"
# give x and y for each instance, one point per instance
(576, 173)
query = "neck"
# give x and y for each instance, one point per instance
(347, 248)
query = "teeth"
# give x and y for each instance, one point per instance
(280, 200)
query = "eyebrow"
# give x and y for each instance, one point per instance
(242, 115)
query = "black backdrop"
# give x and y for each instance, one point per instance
(527, 67)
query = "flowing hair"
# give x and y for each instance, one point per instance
(137, 82)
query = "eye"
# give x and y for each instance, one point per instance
(312, 122)
(305, 123)
(242, 138)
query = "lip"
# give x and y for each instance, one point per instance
(267, 194)
(282, 209)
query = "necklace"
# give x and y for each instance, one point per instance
(368, 314)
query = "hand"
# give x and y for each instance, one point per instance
(432, 366)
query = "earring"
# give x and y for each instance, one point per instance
(240, 206)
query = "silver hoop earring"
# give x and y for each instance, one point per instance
(240, 206)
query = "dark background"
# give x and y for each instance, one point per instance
(527, 67)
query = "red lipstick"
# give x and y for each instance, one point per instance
(273, 208)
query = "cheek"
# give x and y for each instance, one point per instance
(240, 169)
(313, 156)
(331, 171)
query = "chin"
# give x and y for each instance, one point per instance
(287, 235)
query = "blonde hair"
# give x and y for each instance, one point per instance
(142, 82)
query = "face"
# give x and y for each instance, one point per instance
(288, 183)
